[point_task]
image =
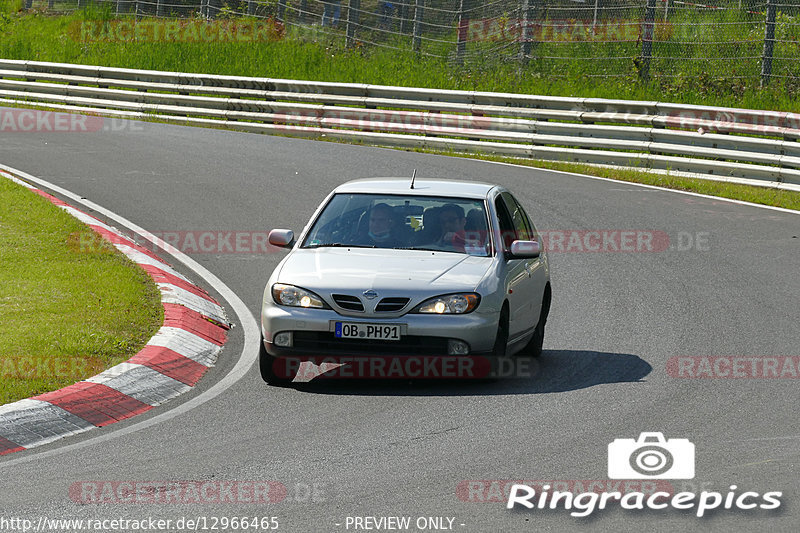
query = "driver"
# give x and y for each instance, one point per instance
(452, 220)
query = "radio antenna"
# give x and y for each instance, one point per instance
(413, 177)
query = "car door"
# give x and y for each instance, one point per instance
(517, 274)
(536, 269)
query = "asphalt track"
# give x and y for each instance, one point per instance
(404, 448)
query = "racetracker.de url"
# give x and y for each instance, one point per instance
(194, 523)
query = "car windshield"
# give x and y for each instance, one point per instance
(435, 223)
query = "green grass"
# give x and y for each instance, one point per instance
(307, 53)
(10, 6)
(310, 54)
(69, 311)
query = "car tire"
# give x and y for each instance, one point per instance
(534, 346)
(501, 339)
(266, 364)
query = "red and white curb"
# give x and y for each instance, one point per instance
(171, 363)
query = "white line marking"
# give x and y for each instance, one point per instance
(656, 187)
(250, 329)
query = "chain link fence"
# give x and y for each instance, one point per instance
(649, 39)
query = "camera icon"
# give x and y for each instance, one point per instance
(651, 457)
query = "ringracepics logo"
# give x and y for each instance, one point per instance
(651, 456)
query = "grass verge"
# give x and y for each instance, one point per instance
(69, 310)
(308, 54)
(746, 193)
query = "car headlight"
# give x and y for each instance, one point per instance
(296, 297)
(449, 304)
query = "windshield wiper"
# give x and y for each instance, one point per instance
(338, 245)
(415, 248)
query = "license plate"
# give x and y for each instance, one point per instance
(361, 330)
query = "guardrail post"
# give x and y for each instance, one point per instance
(416, 38)
(647, 39)
(769, 44)
(463, 25)
(527, 31)
(352, 21)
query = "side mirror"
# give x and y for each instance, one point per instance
(283, 238)
(525, 250)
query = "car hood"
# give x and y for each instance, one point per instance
(359, 269)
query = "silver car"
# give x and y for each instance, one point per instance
(402, 267)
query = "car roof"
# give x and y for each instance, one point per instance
(422, 187)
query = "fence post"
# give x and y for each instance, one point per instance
(251, 7)
(352, 20)
(527, 31)
(159, 8)
(416, 38)
(403, 12)
(769, 44)
(282, 10)
(303, 18)
(647, 39)
(28, 4)
(463, 23)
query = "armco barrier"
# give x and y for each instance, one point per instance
(757, 147)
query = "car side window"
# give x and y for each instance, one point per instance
(507, 231)
(522, 223)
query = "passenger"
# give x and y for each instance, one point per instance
(383, 229)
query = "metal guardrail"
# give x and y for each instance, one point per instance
(756, 147)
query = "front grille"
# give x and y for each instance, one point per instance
(389, 305)
(326, 343)
(351, 303)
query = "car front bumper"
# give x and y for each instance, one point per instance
(313, 333)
